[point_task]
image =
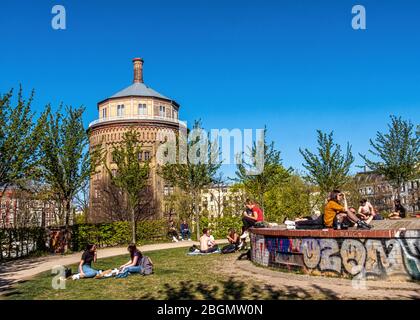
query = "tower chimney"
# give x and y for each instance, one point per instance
(138, 70)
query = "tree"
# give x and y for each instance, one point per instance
(398, 153)
(131, 176)
(65, 164)
(196, 173)
(329, 169)
(19, 140)
(290, 199)
(273, 172)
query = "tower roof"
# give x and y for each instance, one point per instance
(139, 89)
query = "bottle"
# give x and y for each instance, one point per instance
(338, 225)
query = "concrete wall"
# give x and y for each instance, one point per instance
(370, 258)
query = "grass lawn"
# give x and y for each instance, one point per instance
(177, 276)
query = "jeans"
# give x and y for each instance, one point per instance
(89, 271)
(248, 223)
(186, 232)
(134, 269)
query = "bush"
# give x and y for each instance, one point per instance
(220, 226)
(115, 233)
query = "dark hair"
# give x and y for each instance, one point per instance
(205, 230)
(334, 195)
(231, 230)
(133, 249)
(352, 208)
(363, 201)
(248, 201)
(89, 246)
(397, 201)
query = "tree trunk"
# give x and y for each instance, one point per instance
(133, 226)
(197, 216)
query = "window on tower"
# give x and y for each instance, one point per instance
(162, 111)
(104, 113)
(120, 110)
(142, 109)
(146, 155)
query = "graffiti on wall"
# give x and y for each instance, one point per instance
(379, 258)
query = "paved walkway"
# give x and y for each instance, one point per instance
(14, 271)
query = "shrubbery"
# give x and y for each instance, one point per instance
(220, 226)
(116, 233)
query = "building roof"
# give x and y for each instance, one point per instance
(139, 89)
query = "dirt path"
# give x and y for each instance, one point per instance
(14, 271)
(318, 287)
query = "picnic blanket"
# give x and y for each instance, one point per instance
(197, 253)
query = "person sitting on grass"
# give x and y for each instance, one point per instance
(133, 265)
(85, 265)
(233, 239)
(366, 211)
(335, 213)
(399, 211)
(207, 245)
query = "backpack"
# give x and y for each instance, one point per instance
(230, 248)
(261, 224)
(67, 272)
(147, 265)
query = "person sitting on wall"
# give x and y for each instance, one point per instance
(185, 230)
(399, 211)
(207, 245)
(366, 211)
(250, 220)
(335, 213)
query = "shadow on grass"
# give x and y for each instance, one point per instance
(232, 289)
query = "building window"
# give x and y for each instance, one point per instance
(140, 156)
(114, 172)
(104, 113)
(146, 155)
(120, 110)
(142, 109)
(161, 111)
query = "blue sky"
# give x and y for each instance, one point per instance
(295, 66)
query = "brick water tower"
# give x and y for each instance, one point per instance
(147, 111)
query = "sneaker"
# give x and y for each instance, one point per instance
(290, 227)
(174, 239)
(244, 235)
(289, 222)
(189, 239)
(240, 246)
(363, 225)
(76, 277)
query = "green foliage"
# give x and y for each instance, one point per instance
(220, 225)
(19, 140)
(131, 176)
(21, 242)
(196, 173)
(398, 152)
(116, 233)
(329, 169)
(290, 199)
(64, 163)
(273, 172)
